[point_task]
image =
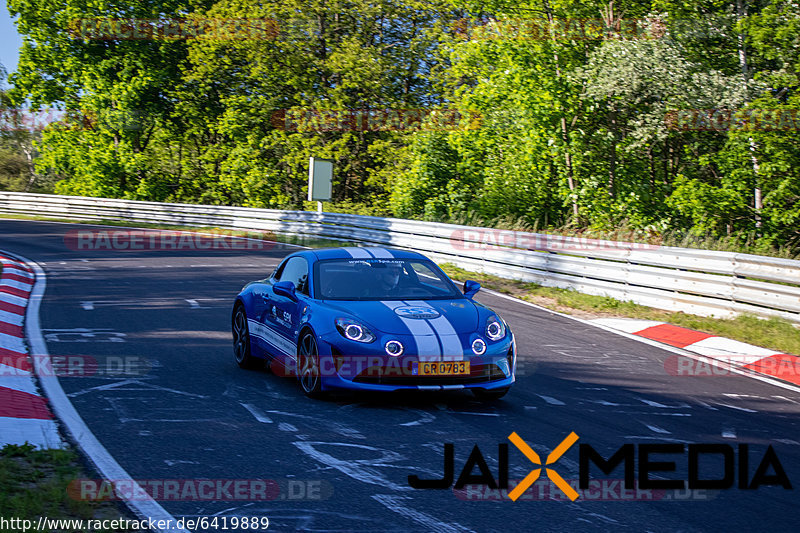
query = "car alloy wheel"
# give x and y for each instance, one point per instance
(241, 339)
(308, 371)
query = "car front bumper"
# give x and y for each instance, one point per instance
(355, 366)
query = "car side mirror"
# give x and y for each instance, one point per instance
(471, 288)
(285, 288)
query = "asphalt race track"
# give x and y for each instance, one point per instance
(183, 410)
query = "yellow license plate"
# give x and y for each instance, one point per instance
(443, 368)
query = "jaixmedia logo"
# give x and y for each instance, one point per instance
(646, 466)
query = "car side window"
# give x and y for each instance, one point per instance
(296, 271)
(428, 276)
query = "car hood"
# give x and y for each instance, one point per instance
(397, 317)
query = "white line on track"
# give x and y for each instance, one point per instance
(606, 403)
(745, 409)
(144, 506)
(656, 429)
(659, 438)
(707, 406)
(364, 470)
(137, 385)
(651, 403)
(257, 413)
(424, 417)
(550, 400)
(784, 398)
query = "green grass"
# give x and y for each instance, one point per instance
(773, 333)
(34, 483)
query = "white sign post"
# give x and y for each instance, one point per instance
(320, 176)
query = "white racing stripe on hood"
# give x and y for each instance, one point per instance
(356, 252)
(452, 350)
(425, 337)
(381, 253)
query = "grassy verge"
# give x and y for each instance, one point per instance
(34, 483)
(774, 333)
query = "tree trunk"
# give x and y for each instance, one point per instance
(564, 131)
(31, 168)
(612, 156)
(741, 12)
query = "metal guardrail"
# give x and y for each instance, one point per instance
(676, 279)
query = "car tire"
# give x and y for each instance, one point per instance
(241, 339)
(308, 366)
(491, 394)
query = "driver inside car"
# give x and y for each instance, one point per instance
(389, 276)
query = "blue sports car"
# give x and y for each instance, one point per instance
(372, 319)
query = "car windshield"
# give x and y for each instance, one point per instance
(382, 279)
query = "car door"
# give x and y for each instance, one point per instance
(282, 314)
(260, 333)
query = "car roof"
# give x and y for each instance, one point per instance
(367, 252)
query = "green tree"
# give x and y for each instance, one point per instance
(242, 99)
(117, 91)
(636, 85)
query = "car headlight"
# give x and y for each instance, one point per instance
(495, 328)
(394, 348)
(478, 346)
(354, 330)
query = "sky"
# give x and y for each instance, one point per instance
(10, 40)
